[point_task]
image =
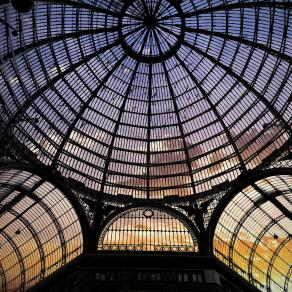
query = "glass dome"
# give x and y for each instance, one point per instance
(147, 98)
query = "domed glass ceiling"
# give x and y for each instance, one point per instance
(148, 98)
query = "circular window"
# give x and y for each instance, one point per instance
(148, 213)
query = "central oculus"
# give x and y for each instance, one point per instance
(151, 31)
(150, 21)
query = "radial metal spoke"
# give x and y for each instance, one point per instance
(79, 4)
(133, 31)
(140, 33)
(139, 18)
(242, 40)
(161, 13)
(188, 161)
(52, 40)
(240, 5)
(118, 122)
(229, 70)
(156, 9)
(215, 111)
(149, 111)
(165, 29)
(54, 80)
(83, 109)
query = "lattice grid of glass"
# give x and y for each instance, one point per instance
(39, 230)
(253, 234)
(147, 229)
(166, 98)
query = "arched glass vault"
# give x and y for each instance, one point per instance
(253, 233)
(39, 229)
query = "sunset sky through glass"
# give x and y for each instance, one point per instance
(149, 99)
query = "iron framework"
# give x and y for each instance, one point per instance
(125, 122)
(40, 230)
(252, 233)
(148, 100)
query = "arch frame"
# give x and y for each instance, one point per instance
(112, 217)
(48, 174)
(242, 182)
